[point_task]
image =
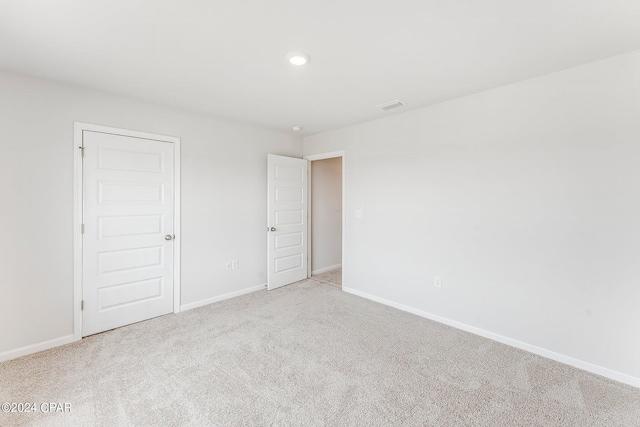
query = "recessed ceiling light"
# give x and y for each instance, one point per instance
(298, 58)
(296, 127)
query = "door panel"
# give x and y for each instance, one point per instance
(287, 214)
(128, 211)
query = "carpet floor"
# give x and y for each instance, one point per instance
(307, 354)
(331, 278)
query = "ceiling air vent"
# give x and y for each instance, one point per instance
(391, 104)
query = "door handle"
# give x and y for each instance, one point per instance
(168, 237)
(272, 229)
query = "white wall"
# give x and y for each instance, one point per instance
(524, 199)
(326, 214)
(224, 170)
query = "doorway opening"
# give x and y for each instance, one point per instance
(326, 218)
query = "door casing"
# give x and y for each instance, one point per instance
(79, 127)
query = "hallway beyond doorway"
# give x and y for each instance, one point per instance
(333, 278)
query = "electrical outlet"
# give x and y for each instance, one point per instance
(234, 264)
(228, 266)
(437, 282)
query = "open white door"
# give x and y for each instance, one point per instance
(128, 195)
(287, 221)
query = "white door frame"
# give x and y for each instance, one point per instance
(78, 128)
(323, 156)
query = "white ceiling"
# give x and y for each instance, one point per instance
(227, 58)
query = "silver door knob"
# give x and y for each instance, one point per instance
(168, 237)
(272, 229)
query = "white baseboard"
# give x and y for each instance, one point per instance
(324, 270)
(568, 360)
(208, 301)
(35, 348)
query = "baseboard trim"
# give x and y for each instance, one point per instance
(568, 360)
(326, 269)
(36, 348)
(208, 301)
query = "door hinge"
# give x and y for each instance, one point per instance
(82, 305)
(81, 151)
(82, 229)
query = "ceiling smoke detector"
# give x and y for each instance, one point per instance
(390, 105)
(296, 128)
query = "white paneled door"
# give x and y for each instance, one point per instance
(287, 221)
(128, 195)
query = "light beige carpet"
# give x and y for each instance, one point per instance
(306, 355)
(333, 278)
